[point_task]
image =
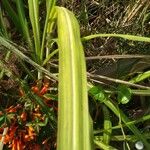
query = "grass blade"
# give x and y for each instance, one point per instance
(11, 13)
(49, 21)
(49, 56)
(12, 48)
(34, 18)
(140, 77)
(23, 22)
(125, 36)
(3, 28)
(107, 126)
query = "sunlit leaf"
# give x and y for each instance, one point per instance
(140, 77)
(124, 94)
(125, 36)
(74, 127)
(98, 93)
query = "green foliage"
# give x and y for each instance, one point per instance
(124, 94)
(107, 126)
(113, 107)
(35, 31)
(98, 93)
(140, 77)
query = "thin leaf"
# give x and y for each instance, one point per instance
(107, 126)
(141, 92)
(125, 36)
(12, 14)
(2, 120)
(131, 138)
(3, 27)
(23, 22)
(50, 15)
(12, 48)
(34, 18)
(140, 77)
(103, 146)
(49, 56)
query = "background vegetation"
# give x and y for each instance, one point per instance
(36, 35)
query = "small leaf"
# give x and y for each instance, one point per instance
(124, 94)
(98, 93)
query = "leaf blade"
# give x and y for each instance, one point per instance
(73, 121)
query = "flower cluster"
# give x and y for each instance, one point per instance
(26, 122)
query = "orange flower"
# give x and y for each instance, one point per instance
(11, 109)
(19, 145)
(23, 116)
(26, 138)
(44, 88)
(7, 139)
(12, 132)
(31, 132)
(37, 115)
(14, 144)
(35, 89)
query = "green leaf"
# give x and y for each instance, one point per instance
(102, 145)
(124, 94)
(49, 56)
(113, 107)
(98, 93)
(49, 21)
(23, 22)
(107, 126)
(74, 127)
(125, 36)
(11, 13)
(140, 77)
(34, 18)
(43, 123)
(146, 18)
(3, 26)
